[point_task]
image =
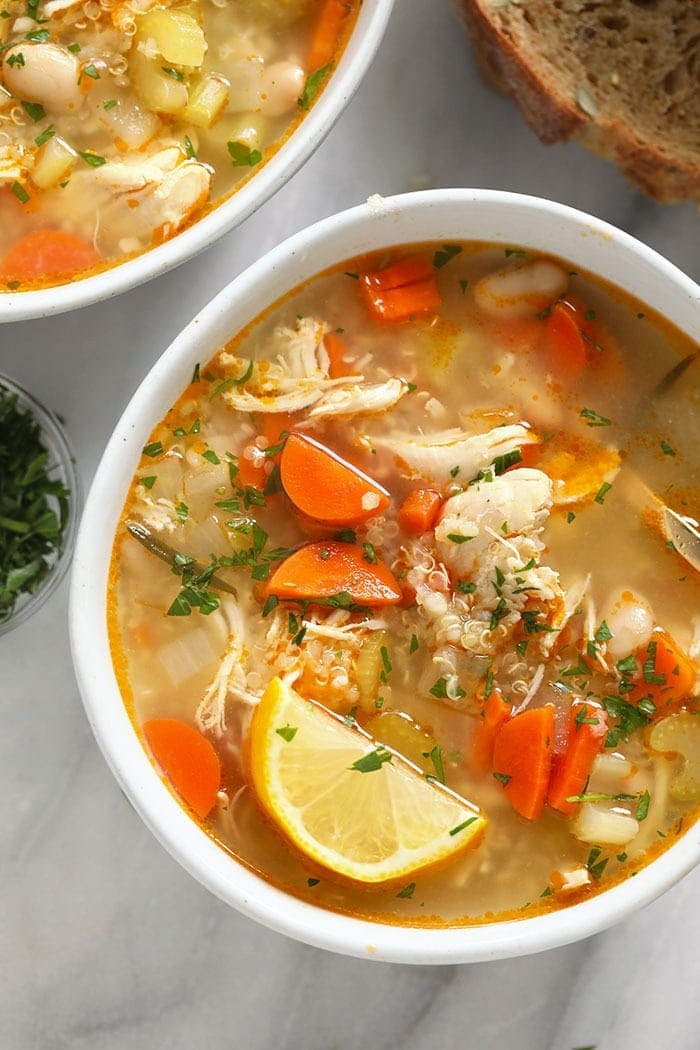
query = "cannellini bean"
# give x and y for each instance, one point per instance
(257, 88)
(282, 84)
(520, 291)
(48, 74)
(631, 622)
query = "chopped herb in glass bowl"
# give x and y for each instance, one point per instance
(39, 496)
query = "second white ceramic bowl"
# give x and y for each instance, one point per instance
(354, 63)
(444, 215)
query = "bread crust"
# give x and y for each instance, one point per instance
(553, 115)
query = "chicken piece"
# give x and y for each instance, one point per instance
(454, 455)
(512, 505)
(294, 377)
(159, 192)
(489, 534)
(359, 398)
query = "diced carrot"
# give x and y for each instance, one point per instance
(325, 570)
(272, 425)
(410, 270)
(46, 254)
(571, 769)
(419, 511)
(251, 468)
(522, 759)
(494, 714)
(403, 290)
(326, 33)
(565, 343)
(323, 486)
(337, 351)
(188, 760)
(666, 674)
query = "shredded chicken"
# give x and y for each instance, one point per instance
(454, 455)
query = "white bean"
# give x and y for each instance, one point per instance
(282, 84)
(43, 73)
(520, 291)
(631, 622)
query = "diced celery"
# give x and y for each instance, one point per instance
(55, 161)
(368, 668)
(208, 100)
(176, 35)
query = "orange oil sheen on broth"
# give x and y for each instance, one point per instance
(174, 110)
(460, 360)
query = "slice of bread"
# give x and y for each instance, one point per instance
(621, 76)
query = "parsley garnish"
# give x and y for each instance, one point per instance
(462, 826)
(407, 891)
(503, 778)
(312, 85)
(439, 690)
(33, 507)
(287, 732)
(242, 156)
(443, 256)
(593, 419)
(372, 761)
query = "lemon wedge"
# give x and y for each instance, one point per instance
(345, 800)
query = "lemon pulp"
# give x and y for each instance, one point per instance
(348, 802)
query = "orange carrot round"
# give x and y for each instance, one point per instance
(565, 343)
(325, 487)
(401, 291)
(570, 770)
(495, 714)
(419, 511)
(46, 254)
(325, 37)
(188, 760)
(522, 759)
(327, 570)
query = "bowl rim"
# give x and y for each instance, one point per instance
(58, 447)
(366, 37)
(279, 270)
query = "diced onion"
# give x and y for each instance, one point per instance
(604, 827)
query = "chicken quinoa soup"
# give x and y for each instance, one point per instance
(395, 606)
(123, 121)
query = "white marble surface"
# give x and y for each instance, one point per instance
(105, 943)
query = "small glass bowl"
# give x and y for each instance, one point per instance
(60, 466)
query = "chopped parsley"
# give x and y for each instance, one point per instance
(372, 761)
(462, 826)
(313, 85)
(153, 449)
(34, 110)
(602, 492)
(287, 732)
(243, 156)
(413, 644)
(593, 419)
(643, 805)
(33, 506)
(441, 690)
(444, 254)
(503, 778)
(666, 449)
(407, 892)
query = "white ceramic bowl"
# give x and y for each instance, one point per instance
(354, 63)
(447, 215)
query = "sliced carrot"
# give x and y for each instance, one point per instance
(46, 254)
(666, 674)
(251, 468)
(328, 570)
(419, 511)
(564, 342)
(401, 291)
(495, 713)
(337, 351)
(188, 760)
(571, 769)
(410, 270)
(522, 759)
(326, 33)
(272, 425)
(323, 486)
